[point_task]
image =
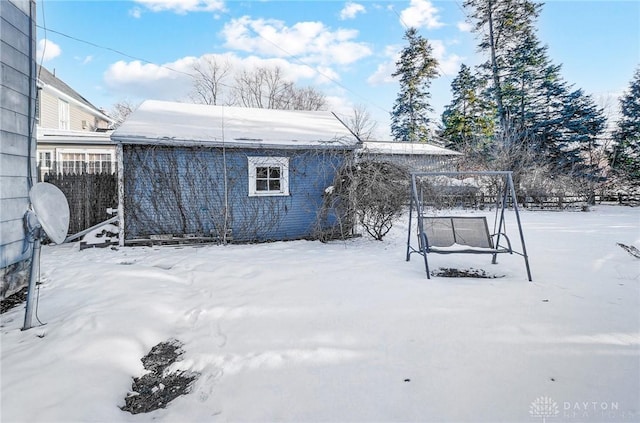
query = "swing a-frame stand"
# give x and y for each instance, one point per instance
(462, 234)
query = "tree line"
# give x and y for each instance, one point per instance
(515, 111)
(217, 82)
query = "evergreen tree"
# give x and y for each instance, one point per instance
(415, 69)
(506, 26)
(468, 121)
(548, 107)
(537, 110)
(626, 155)
(576, 145)
(524, 96)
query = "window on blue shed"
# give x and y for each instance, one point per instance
(268, 176)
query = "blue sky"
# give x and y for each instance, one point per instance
(129, 50)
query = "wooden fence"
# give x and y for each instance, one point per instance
(89, 196)
(541, 202)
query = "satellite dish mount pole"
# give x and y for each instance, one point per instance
(35, 235)
(48, 215)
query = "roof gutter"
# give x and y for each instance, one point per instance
(253, 145)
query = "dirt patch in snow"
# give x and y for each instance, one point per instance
(450, 272)
(158, 387)
(13, 300)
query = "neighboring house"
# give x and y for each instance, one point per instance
(17, 138)
(73, 134)
(75, 152)
(416, 157)
(188, 170)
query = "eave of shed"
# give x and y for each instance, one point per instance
(183, 124)
(406, 148)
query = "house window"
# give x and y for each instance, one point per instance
(44, 159)
(98, 163)
(72, 162)
(89, 162)
(63, 114)
(268, 176)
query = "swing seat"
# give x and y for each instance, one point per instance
(463, 234)
(458, 234)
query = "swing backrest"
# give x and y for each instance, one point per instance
(445, 231)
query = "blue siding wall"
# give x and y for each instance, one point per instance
(179, 190)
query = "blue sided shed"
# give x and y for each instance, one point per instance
(190, 171)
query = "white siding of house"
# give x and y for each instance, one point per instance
(48, 110)
(50, 113)
(78, 115)
(16, 147)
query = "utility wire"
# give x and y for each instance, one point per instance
(112, 50)
(287, 53)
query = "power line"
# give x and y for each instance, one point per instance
(288, 54)
(111, 49)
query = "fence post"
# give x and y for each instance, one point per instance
(120, 191)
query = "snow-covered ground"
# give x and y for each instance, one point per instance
(345, 331)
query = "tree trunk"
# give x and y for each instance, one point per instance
(495, 71)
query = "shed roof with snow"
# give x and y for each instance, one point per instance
(406, 148)
(169, 123)
(414, 156)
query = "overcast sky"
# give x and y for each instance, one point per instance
(144, 49)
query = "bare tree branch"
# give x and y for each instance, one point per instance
(121, 110)
(208, 86)
(361, 123)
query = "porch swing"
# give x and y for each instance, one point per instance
(451, 234)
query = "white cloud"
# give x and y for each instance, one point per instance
(47, 50)
(340, 105)
(448, 64)
(150, 81)
(182, 6)
(84, 60)
(382, 74)
(294, 72)
(421, 13)
(350, 10)
(136, 12)
(172, 81)
(326, 75)
(464, 26)
(311, 42)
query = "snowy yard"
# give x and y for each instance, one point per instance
(345, 331)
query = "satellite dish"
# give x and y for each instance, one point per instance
(52, 210)
(50, 213)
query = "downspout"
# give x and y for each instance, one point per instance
(30, 114)
(226, 185)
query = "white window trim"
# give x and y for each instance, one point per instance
(86, 152)
(52, 158)
(282, 162)
(64, 115)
